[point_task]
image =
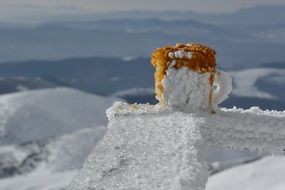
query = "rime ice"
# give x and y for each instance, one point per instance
(147, 149)
(164, 147)
(186, 90)
(185, 77)
(153, 147)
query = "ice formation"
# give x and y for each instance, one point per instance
(186, 77)
(147, 150)
(153, 147)
(186, 90)
(164, 147)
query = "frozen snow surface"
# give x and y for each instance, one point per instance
(265, 174)
(253, 129)
(62, 159)
(153, 147)
(51, 130)
(188, 91)
(42, 114)
(147, 151)
(40, 180)
(146, 147)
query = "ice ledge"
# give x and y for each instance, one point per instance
(147, 151)
(155, 148)
(255, 129)
(125, 109)
(122, 108)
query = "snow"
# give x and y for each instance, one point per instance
(156, 147)
(223, 83)
(148, 150)
(245, 80)
(267, 173)
(42, 114)
(69, 151)
(220, 159)
(129, 58)
(188, 91)
(134, 92)
(147, 147)
(62, 159)
(40, 180)
(264, 174)
(253, 128)
(21, 88)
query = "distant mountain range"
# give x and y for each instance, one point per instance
(245, 38)
(103, 76)
(132, 80)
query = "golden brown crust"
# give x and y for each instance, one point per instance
(202, 60)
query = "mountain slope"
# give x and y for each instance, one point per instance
(265, 174)
(42, 114)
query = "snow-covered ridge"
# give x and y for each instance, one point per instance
(33, 123)
(41, 114)
(61, 156)
(134, 92)
(245, 81)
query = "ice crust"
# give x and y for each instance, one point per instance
(189, 91)
(147, 150)
(253, 129)
(186, 90)
(153, 147)
(223, 82)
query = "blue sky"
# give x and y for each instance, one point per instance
(22, 8)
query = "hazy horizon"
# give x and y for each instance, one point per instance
(17, 9)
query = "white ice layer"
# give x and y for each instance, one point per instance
(152, 147)
(253, 129)
(223, 82)
(188, 91)
(147, 150)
